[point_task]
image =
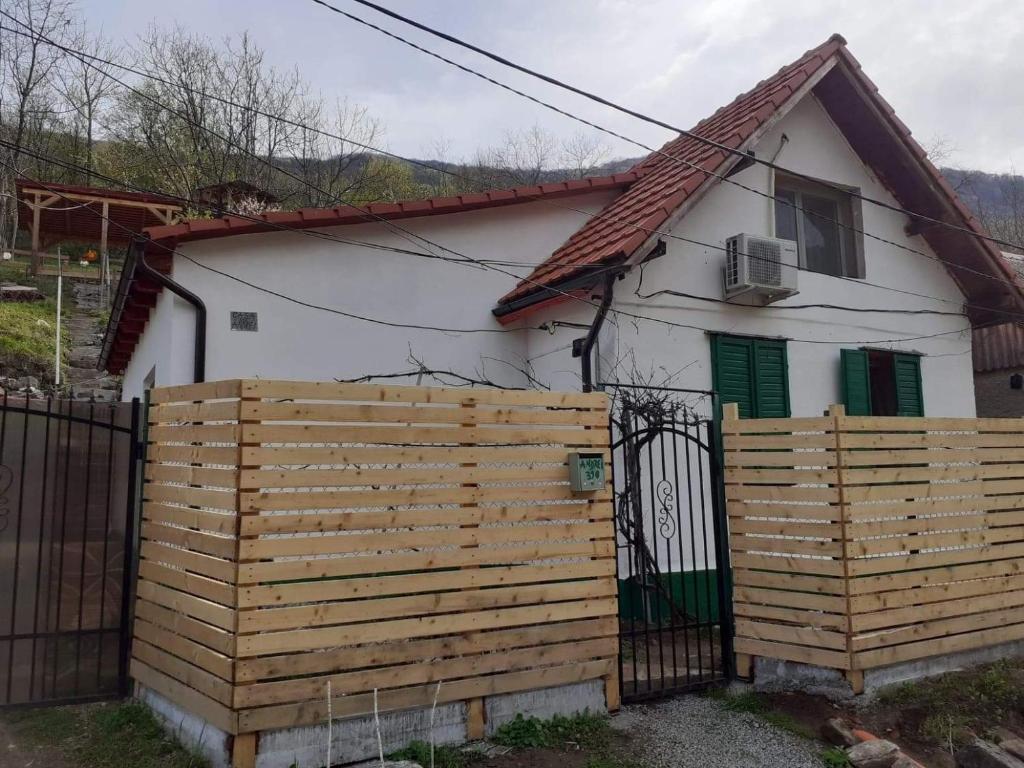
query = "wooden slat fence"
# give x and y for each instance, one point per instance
(377, 537)
(861, 542)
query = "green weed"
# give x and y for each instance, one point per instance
(444, 756)
(834, 757)
(585, 730)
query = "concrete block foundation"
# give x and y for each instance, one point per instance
(774, 675)
(355, 739)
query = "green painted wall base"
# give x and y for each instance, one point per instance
(695, 592)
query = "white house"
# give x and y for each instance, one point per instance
(881, 316)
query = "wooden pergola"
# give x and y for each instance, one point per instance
(54, 213)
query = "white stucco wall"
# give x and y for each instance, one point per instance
(297, 342)
(683, 356)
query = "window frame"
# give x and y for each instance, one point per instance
(849, 218)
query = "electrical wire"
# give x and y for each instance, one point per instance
(679, 160)
(639, 115)
(483, 262)
(722, 177)
(620, 312)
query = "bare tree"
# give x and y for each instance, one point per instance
(27, 96)
(583, 153)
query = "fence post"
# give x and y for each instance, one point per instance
(838, 414)
(743, 663)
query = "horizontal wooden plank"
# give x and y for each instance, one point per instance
(939, 646)
(917, 614)
(185, 673)
(193, 629)
(814, 530)
(800, 653)
(410, 414)
(937, 455)
(193, 583)
(347, 612)
(902, 491)
(226, 410)
(934, 559)
(320, 568)
(252, 549)
(813, 511)
(192, 540)
(790, 634)
(395, 435)
(470, 621)
(207, 565)
(937, 628)
(814, 619)
(929, 593)
(199, 497)
(743, 543)
(380, 586)
(766, 426)
(255, 456)
(212, 522)
(206, 433)
(779, 476)
(797, 582)
(288, 715)
(784, 459)
(927, 424)
(186, 393)
(322, 478)
(904, 508)
(777, 442)
(189, 650)
(181, 602)
(417, 518)
(432, 671)
(385, 393)
(748, 493)
(189, 699)
(888, 440)
(286, 500)
(192, 454)
(176, 473)
(931, 474)
(907, 544)
(888, 582)
(375, 655)
(898, 527)
(788, 598)
(788, 563)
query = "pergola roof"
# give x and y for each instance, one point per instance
(69, 212)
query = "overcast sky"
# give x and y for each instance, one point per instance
(953, 70)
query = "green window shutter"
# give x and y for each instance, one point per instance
(753, 373)
(732, 372)
(909, 398)
(856, 381)
(771, 379)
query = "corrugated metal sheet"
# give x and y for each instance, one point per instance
(998, 347)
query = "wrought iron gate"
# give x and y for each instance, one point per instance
(67, 531)
(673, 558)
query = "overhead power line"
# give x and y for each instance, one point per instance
(83, 56)
(634, 113)
(624, 313)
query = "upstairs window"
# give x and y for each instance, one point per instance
(821, 220)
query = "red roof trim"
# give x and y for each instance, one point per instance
(111, 194)
(308, 218)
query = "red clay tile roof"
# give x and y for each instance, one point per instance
(869, 124)
(999, 347)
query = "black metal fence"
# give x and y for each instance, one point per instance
(67, 519)
(673, 564)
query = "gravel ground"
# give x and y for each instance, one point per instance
(696, 732)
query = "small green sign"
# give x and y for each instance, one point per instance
(586, 472)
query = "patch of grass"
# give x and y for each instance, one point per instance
(834, 757)
(756, 704)
(28, 341)
(125, 735)
(955, 706)
(444, 756)
(584, 730)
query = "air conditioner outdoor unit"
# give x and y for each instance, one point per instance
(759, 270)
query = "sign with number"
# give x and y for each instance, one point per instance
(586, 472)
